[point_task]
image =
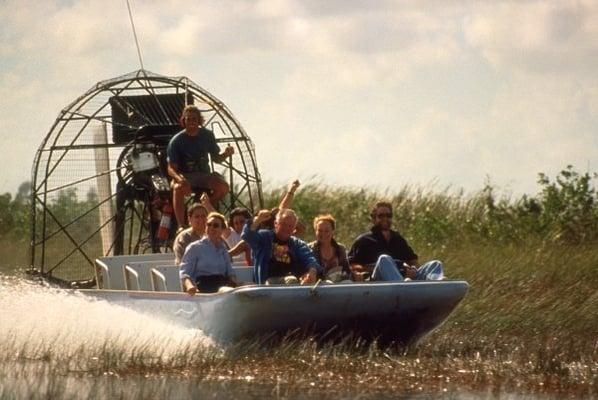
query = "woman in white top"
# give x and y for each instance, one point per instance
(240, 251)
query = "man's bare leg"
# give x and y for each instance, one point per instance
(219, 190)
(178, 199)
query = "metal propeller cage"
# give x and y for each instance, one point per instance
(85, 202)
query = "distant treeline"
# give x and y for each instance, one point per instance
(564, 210)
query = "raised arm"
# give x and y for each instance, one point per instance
(250, 230)
(238, 249)
(287, 198)
(204, 199)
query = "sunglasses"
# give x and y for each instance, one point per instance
(384, 215)
(213, 225)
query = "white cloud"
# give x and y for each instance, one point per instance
(502, 89)
(551, 37)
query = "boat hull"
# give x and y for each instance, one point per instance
(388, 311)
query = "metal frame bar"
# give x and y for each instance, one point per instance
(49, 158)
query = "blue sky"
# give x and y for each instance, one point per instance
(361, 93)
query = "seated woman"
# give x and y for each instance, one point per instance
(331, 255)
(197, 215)
(206, 265)
(239, 250)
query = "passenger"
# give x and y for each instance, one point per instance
(240, 250)
(189, 164)
(206, 265)
(285, 202)
(280, 257)
(197, 215)
(375, 252)
(331, 255)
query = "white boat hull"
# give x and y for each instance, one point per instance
(390, 311)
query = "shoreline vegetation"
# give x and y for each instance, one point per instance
(528, 324)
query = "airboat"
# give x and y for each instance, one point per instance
(99, 192)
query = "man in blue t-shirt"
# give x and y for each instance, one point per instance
(189, 153)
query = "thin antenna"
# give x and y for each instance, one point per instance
(135, 35)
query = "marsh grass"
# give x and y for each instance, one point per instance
(444, 363)
(529, 323)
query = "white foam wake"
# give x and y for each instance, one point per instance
(40, 322)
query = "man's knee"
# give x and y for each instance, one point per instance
(433, 270)
(220, 186)
(435, 265)
(385, 259)
(386, 269)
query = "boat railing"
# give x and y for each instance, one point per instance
(165, 278)
(109, 271)
(143, 269)
(131, 278)
(158, 281)
(103, 275)
(151, 272)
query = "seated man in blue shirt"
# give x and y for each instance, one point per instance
(386, 255)
(206, 265)
(279, 257)
(189, 164)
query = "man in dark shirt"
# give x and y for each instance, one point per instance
(189, 153)
(279, 257)
(386, 255)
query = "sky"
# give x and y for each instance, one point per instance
(361, 93)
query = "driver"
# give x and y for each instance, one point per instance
(189, 165)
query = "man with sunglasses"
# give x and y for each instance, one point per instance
(206, 266)
(384, 255)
